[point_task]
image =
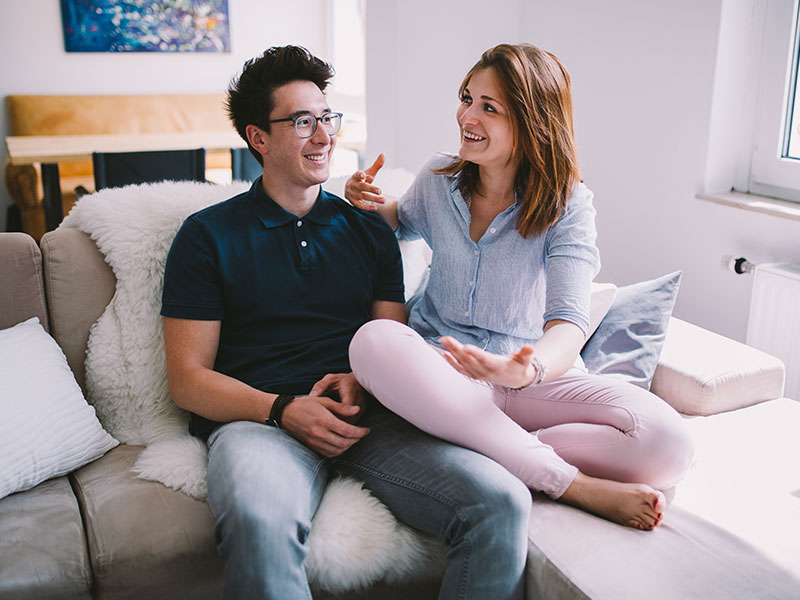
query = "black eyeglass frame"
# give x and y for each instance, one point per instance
(295, 118)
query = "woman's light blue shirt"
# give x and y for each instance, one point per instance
(499, 292)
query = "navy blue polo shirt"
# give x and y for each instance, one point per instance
(290, 292)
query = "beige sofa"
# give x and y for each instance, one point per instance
(101, 532)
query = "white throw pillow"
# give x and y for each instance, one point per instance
(600, 301)
(47, 428)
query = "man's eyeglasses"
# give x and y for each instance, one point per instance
(306, 125)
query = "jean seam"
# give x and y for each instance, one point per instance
(632, 415)
(431, 494)
(400, 481)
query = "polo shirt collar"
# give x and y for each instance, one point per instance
(273, 215)
(323, 211)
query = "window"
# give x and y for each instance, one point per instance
(774, 168)
(793, 108)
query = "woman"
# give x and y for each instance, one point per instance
(492, 362)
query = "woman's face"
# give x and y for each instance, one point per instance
(483, 118)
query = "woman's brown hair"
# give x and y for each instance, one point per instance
(537, 89)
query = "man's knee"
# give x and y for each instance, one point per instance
(495, 498)
(492, 519)
(265, 501)
(512, 500)
(263, 522)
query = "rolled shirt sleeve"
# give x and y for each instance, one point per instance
(572, 261)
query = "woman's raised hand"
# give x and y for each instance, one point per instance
(510, 370)
(359, 190)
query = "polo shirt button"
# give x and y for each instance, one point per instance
(303, 244)
(476, 253)
(471, 283)
(492, 230)
(299, 223)
(466, 313)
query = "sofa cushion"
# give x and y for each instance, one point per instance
(730, 532)
(79, 285)
(42, 545)
(22, 293)
(703, 373)
(601, 299)
(46, 427)
(628, 342)
(145, 540)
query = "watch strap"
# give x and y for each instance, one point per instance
(276, 412)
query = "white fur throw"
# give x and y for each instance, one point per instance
(355, 540)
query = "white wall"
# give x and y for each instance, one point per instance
(643, 77)
(643, 73)
(418, 51)
(34, 60)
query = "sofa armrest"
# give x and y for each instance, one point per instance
(703, 373)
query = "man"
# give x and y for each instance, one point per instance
(262, 294)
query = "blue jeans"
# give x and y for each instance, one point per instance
(264, 487)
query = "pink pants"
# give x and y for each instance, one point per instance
(599, 425)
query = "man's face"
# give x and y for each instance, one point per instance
(303, 162)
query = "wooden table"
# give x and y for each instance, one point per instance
(50, 150)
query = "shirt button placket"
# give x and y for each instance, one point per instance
(471, 291)
(301, 239)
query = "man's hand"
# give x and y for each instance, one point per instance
(319, 423)
(510, 370)
(359, 191)
(343, 386)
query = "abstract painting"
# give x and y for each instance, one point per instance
(145, 25)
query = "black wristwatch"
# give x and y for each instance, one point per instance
(276, 412)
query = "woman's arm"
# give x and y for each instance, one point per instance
(360, 192)
(559, 347)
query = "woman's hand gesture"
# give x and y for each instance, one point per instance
(511, 370)
(359, 190)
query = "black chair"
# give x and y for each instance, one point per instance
(115, 169)
(244, 166)
(13, 218)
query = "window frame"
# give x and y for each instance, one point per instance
(770, 174)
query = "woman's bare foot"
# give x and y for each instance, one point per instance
(633, 504)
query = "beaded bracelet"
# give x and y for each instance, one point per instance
(539, 375)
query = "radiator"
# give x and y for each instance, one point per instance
(774, 322)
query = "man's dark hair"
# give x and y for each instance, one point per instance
(251, 95)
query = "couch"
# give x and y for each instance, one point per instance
(54, 115)
(731, 531)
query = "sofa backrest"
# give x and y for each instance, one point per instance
(79, 284)
(21, 292)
